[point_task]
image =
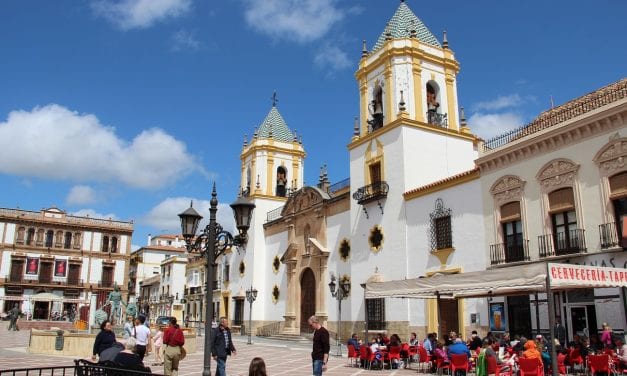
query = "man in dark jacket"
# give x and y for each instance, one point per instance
(321, 346)
(222, 346)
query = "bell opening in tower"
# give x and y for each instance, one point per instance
(281, 181)
(376, 108)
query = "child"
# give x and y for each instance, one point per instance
(158, 341)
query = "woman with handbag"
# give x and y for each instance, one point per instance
(173, 340)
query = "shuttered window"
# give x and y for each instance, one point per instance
(510, 211)
(561, 200)
(618, 185)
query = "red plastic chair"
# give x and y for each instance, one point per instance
(561, 364)
(575, 358)
(441, 366)
(394, 353)
(598, 364)
(494, 369)
(423, 357)
(459, 362)
(530, 367)
(365, 355)
(353, 356)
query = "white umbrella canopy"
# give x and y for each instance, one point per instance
(46, 297)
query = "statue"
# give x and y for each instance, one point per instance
(115, 298)
(100, 317)
(131, 310)
(14, 314)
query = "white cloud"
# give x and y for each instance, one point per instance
(184, 40)
(81, 195)
(54, 142)
(501, 102)
(332, 57)
(164, 216)
(297, 20)
(139, 14)
(489, 125)
(91, 213)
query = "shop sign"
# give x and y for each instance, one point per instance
(570, 275)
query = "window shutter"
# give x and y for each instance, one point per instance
(561, 200)
(510, 212)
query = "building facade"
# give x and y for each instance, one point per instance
(556, 190)
(51, 263)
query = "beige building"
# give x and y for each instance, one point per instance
(52, 262)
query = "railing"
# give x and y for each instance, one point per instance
(372, 192)
(563, 243)
(502, 253)
(274, 214)
(342, 184)
(107, 284)
(270, 329)
(608, 235)
(587, 103)
(435, 118)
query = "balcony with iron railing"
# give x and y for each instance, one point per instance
(436, 118)
(608, 235)
(371, 192)
(563, 243)
(502, 253)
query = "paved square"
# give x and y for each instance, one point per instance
(282, 358)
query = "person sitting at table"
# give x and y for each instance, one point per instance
(578, 344)
(440, 353)
(383, 340)
(413, 339)
(376, 348)
(395, 340)
(429, 343)
(354, 340)
(594, 344)
(531, 351)
(621, 351)
(475, 341)
(459, 348)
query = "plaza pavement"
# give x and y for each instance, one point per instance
(281, 357)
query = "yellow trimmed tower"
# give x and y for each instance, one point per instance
(272, 163)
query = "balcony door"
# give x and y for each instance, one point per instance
(620, 213)
(565, 233)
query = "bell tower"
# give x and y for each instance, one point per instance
(272, 163)
(408, 73)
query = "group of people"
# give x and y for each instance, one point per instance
(168, 345)
(505, 350)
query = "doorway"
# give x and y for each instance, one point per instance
(308, 299)
(41, 310)
(519, 315)
(449, 316)
(581, 320)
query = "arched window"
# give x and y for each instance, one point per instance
(281, 181)
(21, 231)
(114, 244)
(511, 246)
(67, 243)
(49, 238)
(105, 244)
(376, 107)
(58, 241)
(30, 235)
(434, 116)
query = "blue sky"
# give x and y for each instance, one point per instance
(128, 109)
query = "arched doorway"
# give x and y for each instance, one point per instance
(307, 299)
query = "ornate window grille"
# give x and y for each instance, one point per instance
(376, 314)
(441, 227)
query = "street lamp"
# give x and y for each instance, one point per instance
(211, 243)
(339, 294)
(251, 295)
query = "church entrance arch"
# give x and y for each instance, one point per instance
(308, 299)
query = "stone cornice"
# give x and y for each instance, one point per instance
(603, 120)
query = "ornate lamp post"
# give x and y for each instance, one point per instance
(211, 243)
(251, 296)
(339, 294)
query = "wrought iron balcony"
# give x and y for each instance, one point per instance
(563, 243)
(608, 235)
(435, 118)
(515, 251)
(372, 192)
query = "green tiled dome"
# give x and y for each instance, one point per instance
(400, 26)
(273, 126)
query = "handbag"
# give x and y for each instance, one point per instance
(183, 353)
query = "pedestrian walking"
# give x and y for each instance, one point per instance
(321, 346)
(257, 367)
(173, 340)
(14, 314)
(142, 335)
(222, 346)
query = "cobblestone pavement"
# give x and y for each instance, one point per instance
(282, 358)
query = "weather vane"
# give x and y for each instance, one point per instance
(274, 100)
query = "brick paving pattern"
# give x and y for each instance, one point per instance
(282, 358)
